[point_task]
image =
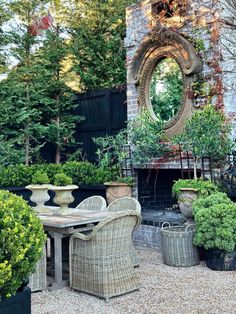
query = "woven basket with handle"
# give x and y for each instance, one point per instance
(177, 245)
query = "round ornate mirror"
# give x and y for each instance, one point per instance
(162, 71)
(166, 89)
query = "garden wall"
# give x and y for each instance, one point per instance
(201, 27)
(204, 22)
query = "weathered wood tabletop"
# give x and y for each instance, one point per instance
(73, 219)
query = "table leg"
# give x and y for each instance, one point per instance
(58, 256)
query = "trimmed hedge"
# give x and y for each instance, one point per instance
(82, 173)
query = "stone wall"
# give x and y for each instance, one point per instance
(202, 22)
(203, 25)
(228, 64)
(147, 236)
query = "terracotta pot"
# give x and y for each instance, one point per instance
(63, 197)
(115, 190)
(39, 195)
(185, 200)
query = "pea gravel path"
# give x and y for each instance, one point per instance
(164, 290)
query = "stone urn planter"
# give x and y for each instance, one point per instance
(63, 197)
(186, 198)
(39, 195)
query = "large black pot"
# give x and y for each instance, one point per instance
(20, 303)
(220, 260)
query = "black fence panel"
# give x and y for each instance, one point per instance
(105, 112)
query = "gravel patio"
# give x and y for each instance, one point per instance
(164, 290)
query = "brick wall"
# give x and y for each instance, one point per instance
(206, 25)
(154, 188)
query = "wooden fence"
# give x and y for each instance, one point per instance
(105, 112)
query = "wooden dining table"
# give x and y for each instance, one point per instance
(59, 227)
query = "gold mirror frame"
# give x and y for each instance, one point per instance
(161, 43)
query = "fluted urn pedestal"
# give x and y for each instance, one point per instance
(63, 197)
(39, 196)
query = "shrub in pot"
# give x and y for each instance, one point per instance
(215, 222)
(63, 188)
(187, 191)
(39, 188)
(21, 242)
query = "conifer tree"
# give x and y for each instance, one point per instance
(21, 92)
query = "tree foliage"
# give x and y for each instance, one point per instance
(82, 48)
(166, 89)
(97, 43)
(207, 134)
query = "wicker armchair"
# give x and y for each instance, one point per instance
(129, 203)
(96, 203)
(38, 280)
(124, 203)
(100, 263)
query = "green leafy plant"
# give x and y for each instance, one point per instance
(166, 101)
(206, 134)
(21, 242)
(112, 154)
(204, 188)
(215, 222)
(81, 172)
(40, 178)
(145, 134)
(61, 179)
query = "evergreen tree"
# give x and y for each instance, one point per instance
(20, 93)
(97, 32)
(59, 98)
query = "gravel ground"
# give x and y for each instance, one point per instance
(164, 290)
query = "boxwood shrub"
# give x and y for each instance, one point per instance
(80, 172)
(21, 242)
(215, 222)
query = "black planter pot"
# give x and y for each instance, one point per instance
(20, 303)
(220, 260)
(202, 253)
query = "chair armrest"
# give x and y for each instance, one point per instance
(82, 236)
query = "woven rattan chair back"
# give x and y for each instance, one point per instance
(38, 280)
(127, 203)
(100, 262)
(124, 203)
(96, 203)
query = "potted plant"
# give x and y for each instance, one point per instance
(187, 191)
(39, 187)
(63, 188)
(112, 155)
(21, 245)
(215, 223)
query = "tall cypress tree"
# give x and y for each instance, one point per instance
(59, 98)
(21, 92)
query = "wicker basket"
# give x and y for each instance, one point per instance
(177, 246)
